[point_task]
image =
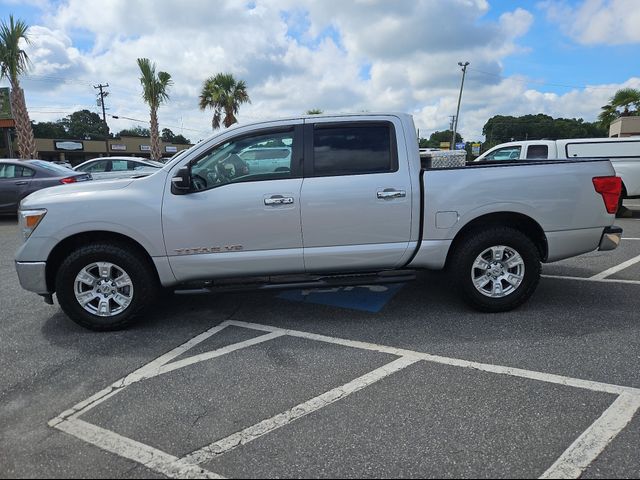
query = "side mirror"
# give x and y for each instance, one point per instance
(181, 182)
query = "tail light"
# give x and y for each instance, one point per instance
(610, 188)
(68, 180)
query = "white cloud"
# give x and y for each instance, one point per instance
(295, 55)
(609, 22)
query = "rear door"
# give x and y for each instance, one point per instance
(356, 195)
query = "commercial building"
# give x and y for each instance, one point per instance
(77, 151)
(625, 127)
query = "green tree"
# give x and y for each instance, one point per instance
(181, 140)
(14, 62)
(85, 125)
(154, 93)
(501, 128)
(170, 137)
(438, 137)
(167, 135)
(49, 130)
(223, 93)
(134, 132)
(625, 102)
(315, 111)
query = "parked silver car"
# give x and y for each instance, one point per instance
(111, 168)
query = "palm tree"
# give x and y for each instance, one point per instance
(154, 93)
(223, 93)
(14, 62)
(315, 111)
(624, 99)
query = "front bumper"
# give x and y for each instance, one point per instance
(610, 238)
(33, 277)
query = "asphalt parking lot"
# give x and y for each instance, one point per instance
(351, 382)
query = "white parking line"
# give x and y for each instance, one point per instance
(485, 367)
(594, 280)
(575, 460)
(633, 239)
(216, 353)
(616, 269)
(150, 457)
(570, 465)
(146, 371)
(260, 429)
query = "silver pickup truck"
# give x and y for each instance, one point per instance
(340, 200)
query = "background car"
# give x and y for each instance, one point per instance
(267, 159)
(19, 178)
(110, 168)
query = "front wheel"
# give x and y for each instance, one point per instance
(103, 286)
(496, 269)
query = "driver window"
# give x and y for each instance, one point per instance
(508, 153)
(256, 157)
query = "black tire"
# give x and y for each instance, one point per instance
(622, 211)
(479, 241)
(145, 285)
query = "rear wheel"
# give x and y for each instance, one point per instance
(104, 286)
(496, 269)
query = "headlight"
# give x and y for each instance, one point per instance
(29, 220)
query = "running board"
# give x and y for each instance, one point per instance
(296, 281)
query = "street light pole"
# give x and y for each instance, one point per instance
(455, 127)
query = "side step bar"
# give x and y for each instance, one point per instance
(282, 282)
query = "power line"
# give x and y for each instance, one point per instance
(542, 83)
(118, 117)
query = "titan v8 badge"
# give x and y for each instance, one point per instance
(201, 250)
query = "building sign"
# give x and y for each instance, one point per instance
(461, 146)
(145, 148)
(68, 145)
(118, 146)
(5, 104)
(475, 149)
(170, 149)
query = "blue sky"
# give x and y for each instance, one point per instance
(336, 55)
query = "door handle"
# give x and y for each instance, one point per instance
(22, 183)
(390, 194)
(278, 200)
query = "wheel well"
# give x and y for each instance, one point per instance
(521, 222)
(69, 244)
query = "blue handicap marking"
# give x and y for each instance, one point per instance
(370, 298)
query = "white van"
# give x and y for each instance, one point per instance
(624, 154)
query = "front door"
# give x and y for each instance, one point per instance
(241, 218)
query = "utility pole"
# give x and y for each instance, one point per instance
(455, 127)
(103, 94)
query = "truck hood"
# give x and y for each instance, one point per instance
(41, 197)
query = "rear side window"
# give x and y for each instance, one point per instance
(119, 165)
(605, 149)
(28, 172)
(354, 149)
(538, 152)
